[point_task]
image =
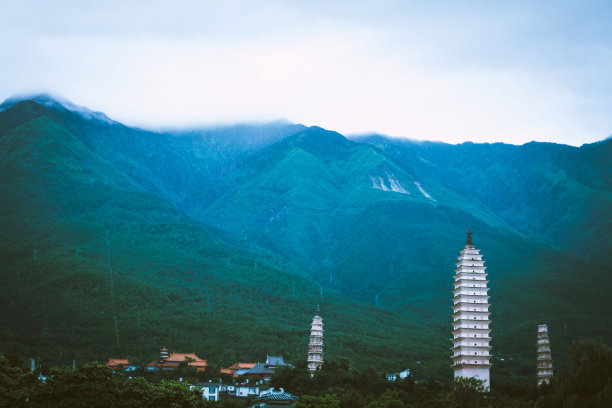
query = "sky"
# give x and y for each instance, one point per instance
(454, 71)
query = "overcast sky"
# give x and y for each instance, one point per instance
(451, 71)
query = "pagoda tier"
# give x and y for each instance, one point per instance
(471, 332)
(544, 360)
(315, 347)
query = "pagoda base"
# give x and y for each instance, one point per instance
(479, 373)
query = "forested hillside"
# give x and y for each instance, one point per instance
(222, 241)
(95, 263)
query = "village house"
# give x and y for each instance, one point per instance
(214, 391)
(245, 391)
(211, 391)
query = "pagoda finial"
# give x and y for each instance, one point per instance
(318, 310)
(469, 237)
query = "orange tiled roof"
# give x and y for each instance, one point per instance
(113, 362)
(179, 357)
(174, 359)
(226, 371)
(183, 356)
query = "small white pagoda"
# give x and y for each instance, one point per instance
(315, 348)
(545, 369)
(471, 332)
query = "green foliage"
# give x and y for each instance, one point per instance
(590, 383)
(94, 385)
(336, 385)
(592, 366)
(15, 384)
(326, 401)
(466, 392)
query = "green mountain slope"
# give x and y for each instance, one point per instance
(555, 194)
(96, 264)
(295, 195)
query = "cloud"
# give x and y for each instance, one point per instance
(481, 74)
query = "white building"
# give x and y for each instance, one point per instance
(544, 365)
(396, 376)
(315, 348)
(471, 333)
(245, 391)
(210, 390)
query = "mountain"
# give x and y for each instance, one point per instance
(235, 232)
(97, 261)
(57, 103)
(556, 194)
(384, 226)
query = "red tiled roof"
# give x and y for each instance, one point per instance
(114, 362)
(176, 358)
(180, 357)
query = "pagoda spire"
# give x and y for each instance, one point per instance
(469, 238)
(315, 347)
(471, 332)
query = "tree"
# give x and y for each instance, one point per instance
(389, 399)
(352, 399)
(466, 392)
(15, 384)
(326, 401)
(185, 372)
(590, 384)
(591, 366)
(92, 385)
(293, 380)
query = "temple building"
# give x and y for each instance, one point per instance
(237, 369)
(275, 399)
(266, 370)
(544, 365)
(120, 364)
(315, 348)
(169, 361)
(471, 333)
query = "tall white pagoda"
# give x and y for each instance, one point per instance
(544, 365)
(471, 332)
(315, 348)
